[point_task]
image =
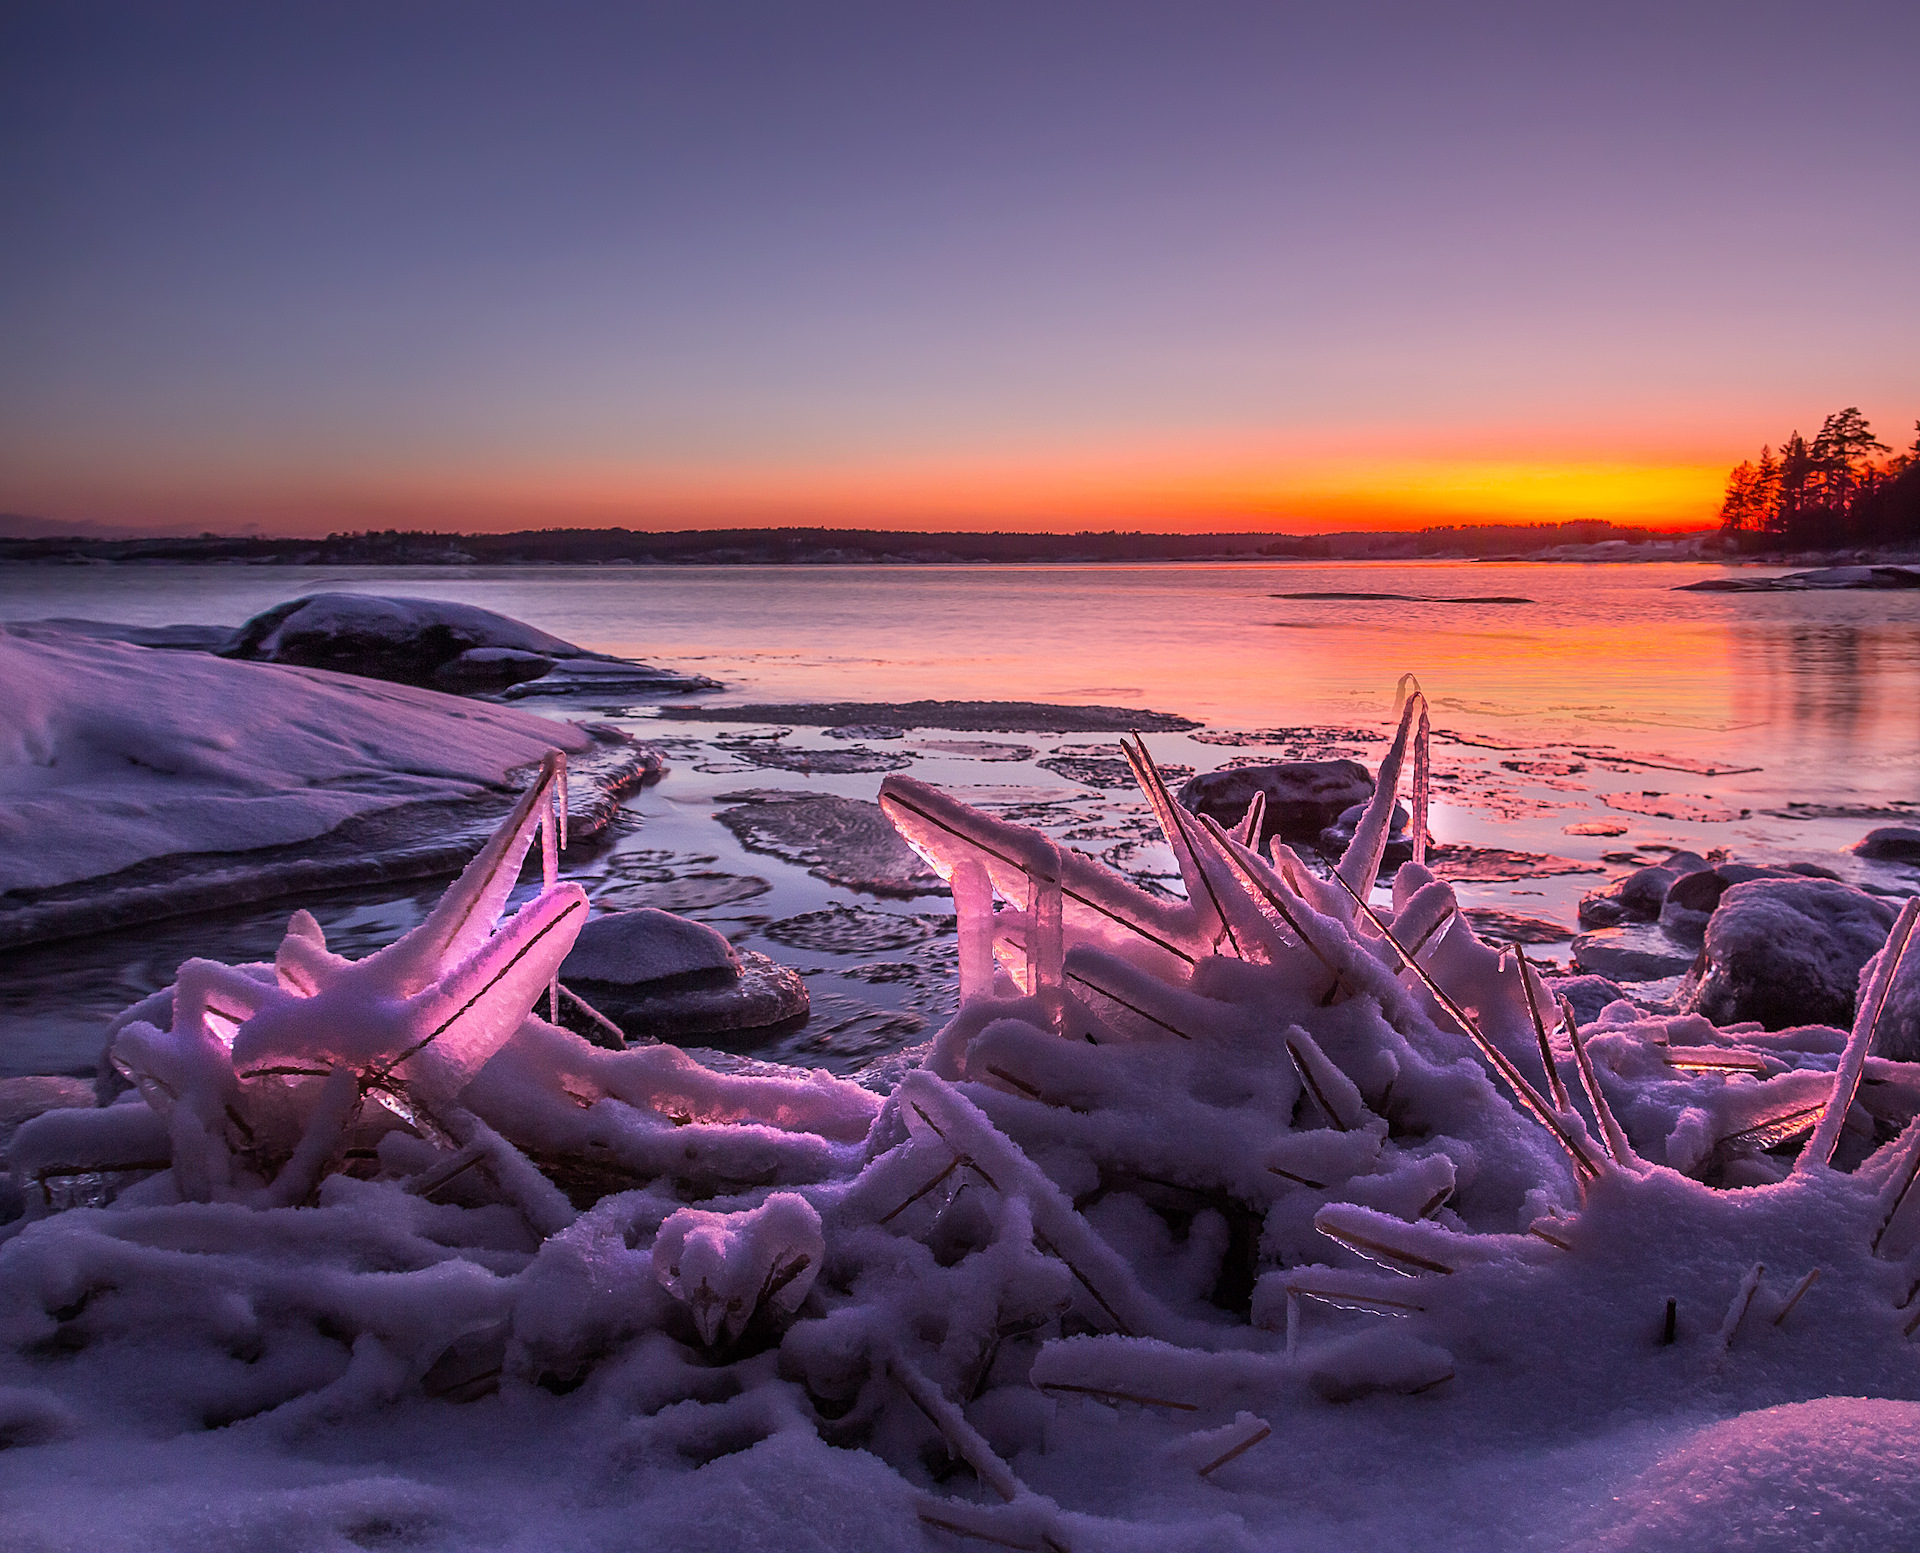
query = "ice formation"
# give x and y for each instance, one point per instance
(1180, 1176)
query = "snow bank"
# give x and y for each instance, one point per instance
(1270, 1216)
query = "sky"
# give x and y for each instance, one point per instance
(1037, 265)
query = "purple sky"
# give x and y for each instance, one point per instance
(1249, 265)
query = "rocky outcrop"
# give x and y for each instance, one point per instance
(1786, 952)
(1303, 797)
(438, 644)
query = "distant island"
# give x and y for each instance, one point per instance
(1580, 540)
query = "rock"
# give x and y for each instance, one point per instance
(1691, 901)
(1335, 839)
(1303, 797)
(435, 643)
(1640, 895)
(1588, 994)
(1786, 952)
(1890, 844)
(765, 993)
(865, 731)
(482, 669)
(845, 841)
(650, 949)
(1631, 952)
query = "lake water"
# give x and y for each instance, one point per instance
(1775, 726)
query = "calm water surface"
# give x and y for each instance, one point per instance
(1818, 693)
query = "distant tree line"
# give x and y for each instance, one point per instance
(1827, 494)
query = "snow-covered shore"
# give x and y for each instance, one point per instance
(1248, 1219)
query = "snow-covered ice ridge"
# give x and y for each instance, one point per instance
(1265, 1217)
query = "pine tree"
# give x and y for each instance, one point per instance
(1840, 459)
(1796, 467)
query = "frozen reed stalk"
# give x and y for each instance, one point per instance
(1244, 1433)
(1182, 830)
(1793, 1299)
(1247, 832)
(1906, 1167)
(330, 1117)
(1612, 1134)
(1336, 1094)
(965, 1440)
(1737, 1310)
(1585, 1168)
(973, 906)
(1534, 993)
(1046, 942)
(1359, 865)
(542, 1204)
(1421, 788)
(1846, 1083)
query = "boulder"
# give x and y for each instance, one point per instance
(1303, 797)
(1633, 951)
(437, 644)
(1335, 839)
(1890, 844)
(1640, 895)
(1786, 952)
(1691, 900)
(662, 977)
(650, 949)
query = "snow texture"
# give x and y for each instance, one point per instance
(1263, 1217)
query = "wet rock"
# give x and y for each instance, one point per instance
(1335, 839)
(865, 731)
(1633, 951)
(1786, 952)
(765, 993)
(1890, 844)
(1303, 797)
(844, 841)
(1640, 896)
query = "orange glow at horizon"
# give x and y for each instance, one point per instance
(1155, 494)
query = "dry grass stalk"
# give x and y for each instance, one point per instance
(1379, 1250)
(1131, 1007)
(983, 1523)
(1109, 1394)
(1318, 1186)
(1528, 1096)
(1737, 1310)
(590, 1011)
(1329, 1292)
(1708, 1059)
(1793, 1299)
(1846, 1084)
(443, 1174)
(1253, 1438)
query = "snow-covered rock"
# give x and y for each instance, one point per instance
(458, 647)
(1787, 952)
(137, 784)
(1303, 797)
(650, 947)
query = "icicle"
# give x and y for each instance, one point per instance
(973, 905)
(1846, 1083)
(1046, 946)
(1422, 773)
